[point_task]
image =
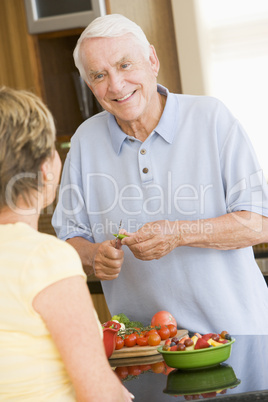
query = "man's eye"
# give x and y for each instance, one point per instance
(98, 77)
(125, 65)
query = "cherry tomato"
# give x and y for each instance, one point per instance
(119, 343)
(143, 333)
(209, 395)
(140, 334)
(151, 331)
(158, 367)
(154, 339)
(145, 367)
(142, 341)
(134, 370)
(130, 340)
(167, 369)
(122, 372)
(164, 332)
(163, 318)
(172, 330)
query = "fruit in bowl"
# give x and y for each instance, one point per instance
(204, 351)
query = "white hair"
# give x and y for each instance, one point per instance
(109, 26)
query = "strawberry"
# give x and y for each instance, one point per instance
(206, 337)
(201, 344)
(173, 348)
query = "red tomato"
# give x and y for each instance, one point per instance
(158, 367)
(209, 395)
(142, 334)
(173, 330)
(150, 332)
(142, 341)
(168, 369)
(134, 370)
(130, 340)
(163, 318)
(119, 343)
(145, 367)
(154, 339)
(122, 372)
(164, 332)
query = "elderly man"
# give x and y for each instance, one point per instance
(181, 175)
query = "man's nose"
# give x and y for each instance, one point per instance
(116, 82)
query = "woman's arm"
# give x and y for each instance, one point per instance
(67, 309)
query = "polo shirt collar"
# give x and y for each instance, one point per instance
(165, 127)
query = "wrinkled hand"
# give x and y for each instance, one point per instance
(153, 241)
(108, 260)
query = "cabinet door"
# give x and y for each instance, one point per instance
(19, 64)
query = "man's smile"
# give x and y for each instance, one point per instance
(125, 97)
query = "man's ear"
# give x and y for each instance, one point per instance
(155, 64)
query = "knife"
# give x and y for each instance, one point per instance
(120, 224)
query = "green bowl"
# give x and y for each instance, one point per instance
(199, 358)
(213, 379)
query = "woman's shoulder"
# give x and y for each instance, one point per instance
(51, 244)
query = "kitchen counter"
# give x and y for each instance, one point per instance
(243, 377)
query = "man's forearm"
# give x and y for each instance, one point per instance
(231, 231)
(86, 251)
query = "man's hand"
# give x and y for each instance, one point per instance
(108, 260)
(101, 259)
(153, 241)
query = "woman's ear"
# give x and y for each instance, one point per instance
(45, 169)
(155, 64)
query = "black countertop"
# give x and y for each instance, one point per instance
(243, 377)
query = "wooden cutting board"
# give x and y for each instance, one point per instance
(139, 351)
(134, 361)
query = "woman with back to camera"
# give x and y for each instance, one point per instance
(50, 338)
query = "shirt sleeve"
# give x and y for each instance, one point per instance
(70, 218)
(51, 261)
(245, 185)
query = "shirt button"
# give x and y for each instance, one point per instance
(143, 151)
(145, 170)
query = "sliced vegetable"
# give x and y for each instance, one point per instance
(119, 236)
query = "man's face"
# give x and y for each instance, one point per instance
(121, 77)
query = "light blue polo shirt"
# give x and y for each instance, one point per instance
(198, 163)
